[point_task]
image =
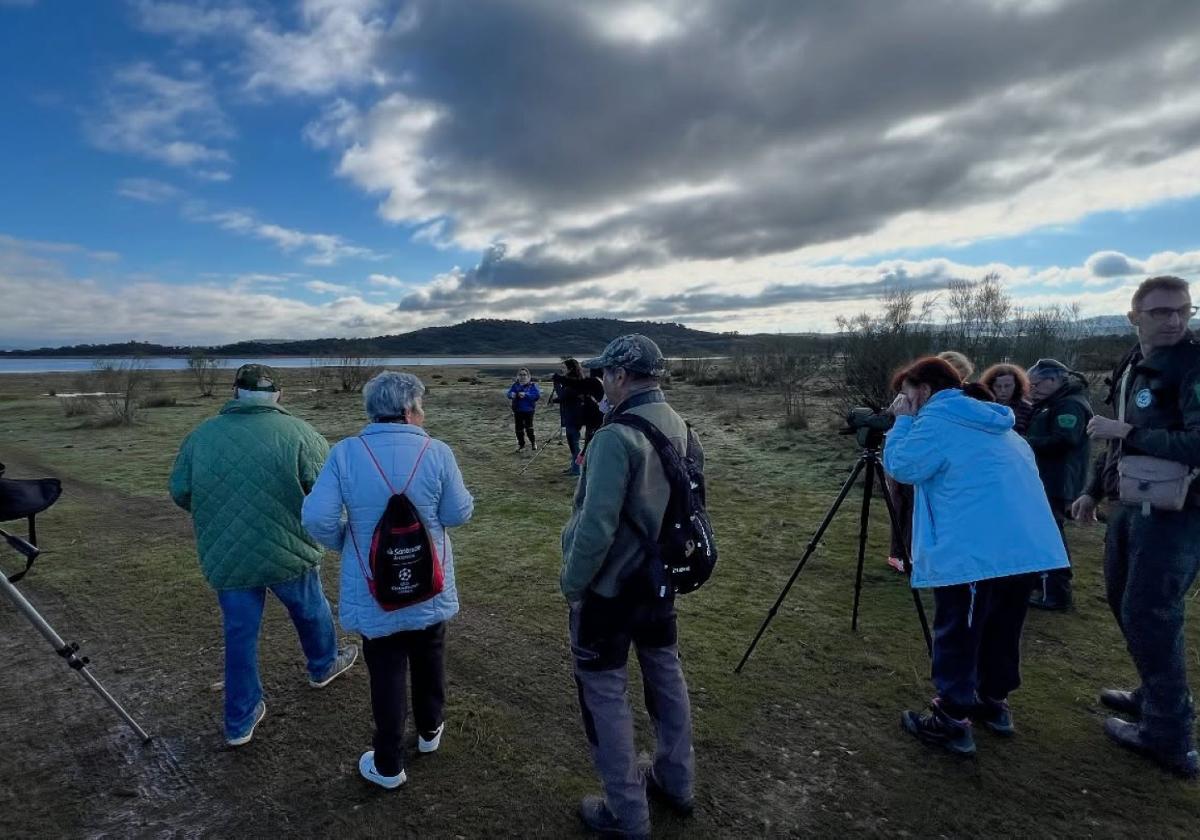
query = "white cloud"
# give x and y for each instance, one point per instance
(387, 281)
(318, 249)
(147, 189)
(323, 288)
(334, 46)
(174, 121)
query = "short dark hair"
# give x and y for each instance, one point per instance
(635, 375)
(573, 368)
(1020, 379)
(1165, 282)
(937, 373)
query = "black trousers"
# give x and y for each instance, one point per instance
(977, 640)
(902, 501)
(1150, 564)
(523, 423)
(1058, 580)
(389, 660)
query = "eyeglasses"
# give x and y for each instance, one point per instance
(1162, 313)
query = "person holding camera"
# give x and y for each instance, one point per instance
(1057, 434)
(524, 396)
(969, 470)
(576, 398)
(1152, 548)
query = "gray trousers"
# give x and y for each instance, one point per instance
(1150, 563)
(602, 630)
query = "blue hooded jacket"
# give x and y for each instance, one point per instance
(524, 397)
(979, 511)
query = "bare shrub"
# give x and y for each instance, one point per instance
(80, 406)
(156, 396)
(322, 374)
(204, 370)
(122, 383)
(355, 372)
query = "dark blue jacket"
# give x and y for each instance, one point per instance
(524, 397)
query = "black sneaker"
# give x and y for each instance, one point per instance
(594, 812)
(1184, 762)
(996, 716)
(938, 728)
(684, 807)
(1125, 702)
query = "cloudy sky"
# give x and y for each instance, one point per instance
(207, 171)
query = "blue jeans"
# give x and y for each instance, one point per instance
(241, 614)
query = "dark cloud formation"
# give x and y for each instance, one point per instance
(598, 141)
(1112, 264)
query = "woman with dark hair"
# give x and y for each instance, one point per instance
(569, 385)
(1010, 386)
(969, 470)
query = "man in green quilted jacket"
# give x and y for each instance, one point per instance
(243, 475)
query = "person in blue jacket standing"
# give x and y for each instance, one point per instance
(970, 471)
(524, 396)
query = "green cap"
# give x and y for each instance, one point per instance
(256, 378)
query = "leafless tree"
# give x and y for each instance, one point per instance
(204, 369)
(121, 383)
(356, 371)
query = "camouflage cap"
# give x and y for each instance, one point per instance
(635, 353)
(1048, 367)
(256, 378)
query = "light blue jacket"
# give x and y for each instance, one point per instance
(979, 510)
(351, 483)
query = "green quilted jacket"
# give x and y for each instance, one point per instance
(244, 475)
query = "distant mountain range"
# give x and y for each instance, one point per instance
(478, 337)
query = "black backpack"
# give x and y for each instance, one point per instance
(685, 554)
(406, 568)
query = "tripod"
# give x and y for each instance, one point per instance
(868, 460)
(68, 651)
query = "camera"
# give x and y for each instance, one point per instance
(868, 425)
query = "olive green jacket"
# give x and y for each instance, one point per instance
(1057, 434)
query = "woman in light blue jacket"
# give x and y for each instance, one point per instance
(393, 451)
(981, 526)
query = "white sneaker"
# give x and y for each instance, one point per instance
(260, 712)
(366, 769)
(433, 743)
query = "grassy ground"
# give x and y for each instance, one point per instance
(805, 742)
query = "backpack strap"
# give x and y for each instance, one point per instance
(383, 475)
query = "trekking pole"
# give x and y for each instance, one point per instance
(539, 451)
(67, 650)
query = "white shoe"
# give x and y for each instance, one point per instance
(260, 712)
(433, 743)
(366, 769)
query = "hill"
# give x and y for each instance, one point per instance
(478, 337)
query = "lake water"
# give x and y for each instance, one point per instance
(48, 364)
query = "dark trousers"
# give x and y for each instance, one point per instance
(1057, 582)
(523, 423)
(602, 631)
(902, 501)
(573, 441)
(389, 660)
(1150, 563)
(977, 641)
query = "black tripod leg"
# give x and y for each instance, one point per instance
(812, 546)
(904, 555)
(864, 522)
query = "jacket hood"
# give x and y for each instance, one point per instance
(953, 406)
(1074, 384)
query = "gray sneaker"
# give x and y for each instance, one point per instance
(260, 712)
(683, 806)
(345, 658)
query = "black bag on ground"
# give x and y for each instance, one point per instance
(685, 554)
(405, 567)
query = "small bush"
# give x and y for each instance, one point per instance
(78, 406)
(159, 401)
(796, 420)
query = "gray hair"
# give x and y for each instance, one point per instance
(391, 394)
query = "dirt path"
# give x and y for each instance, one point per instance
(119, 582)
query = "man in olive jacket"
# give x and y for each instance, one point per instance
(620, 502)
(1057, 434)
(243, 475)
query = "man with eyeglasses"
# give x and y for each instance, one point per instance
(1152, 555)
